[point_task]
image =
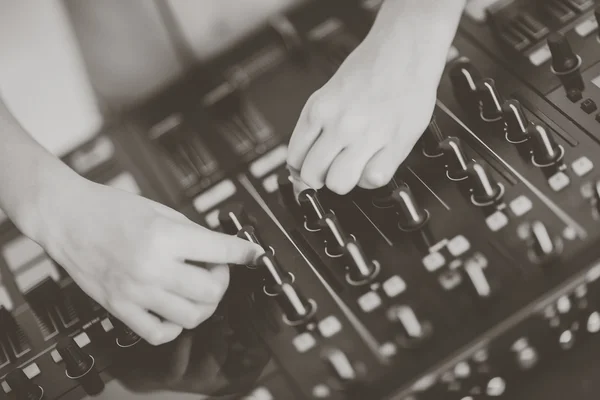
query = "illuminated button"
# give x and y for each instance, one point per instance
(268, 162)
(433, 261)
(330, 326)
(388, 349)
(321, 391)
(394, 286)
(582, 166)
(458, 245)
(32, 370)
(270, 183)
(5, 387)
(304, 342)
(212, 219)
(586, 27)
(32, 276)
(496, 221)
(521, 205)
(5, 300)
(20, 251)
(540, 56)
(369, 301)
(125, 182)
(107, 325)
(260, 393)
(449, 280)
(559, 181)
(215, 195)
(56, 357)
(82, 339)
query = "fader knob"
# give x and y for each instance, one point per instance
(565, 63)
(515, 120)
(546, 151)
(541, 243)
(341, 365)
(233, 217)
(413, 329)
(464, 78)
(485, 189)
(125, 336)
(490, 100)
(360, 269)
(431, 139)
(411, 215)
(22, 387)
(80, 366)
(277, 276)
(312, 209)
(456, 160)
(296, 308)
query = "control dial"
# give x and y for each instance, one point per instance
(335, 237)
(80, 366)
(456, 160)
(125, 336)
(414, 330)
(515, 120)
(276, 274)
(545, 150)
(565, 63)
(312, 209)
(360, 269)
(490, 100)
(431, 139)
(486, 190)
(297, 309)
(382, 197)
(233, 217)
(23, 388)
(464, 78)
(411, 215)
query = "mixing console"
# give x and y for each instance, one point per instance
(469, 276)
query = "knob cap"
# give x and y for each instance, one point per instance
(382, 197)
(312, 209)
(341, 365)
(542, 245)
(546, 151)
(23, 388)
(360, 269)
(431, 139)
(233, 217)
(456, 160)
(125, 336)
(464, 78)
(413, 329)
(490, 100)
(276, 274)
(411, 215)
(296, 308)
(80, 366)
(335, 236)
(486, 190)
(564, 59)
(515, 120)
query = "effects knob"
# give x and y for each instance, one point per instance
(296, 308)
(431, 139)
(413, 329)
(360, 270)
(276, 274)
(22, 387)
(382, 197)
(335, 237)
(565, 63)
(515, 120)
(546, 151)
(489, 100)
(464, 78)
(233, 217)
(542, 245)
(312, 209)
(341, 365)
(125, 336)
(486, 190)
(80, 366)
(456, 160)
(411, 215)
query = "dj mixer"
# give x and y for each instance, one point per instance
(473, 274)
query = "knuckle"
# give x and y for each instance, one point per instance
(321, 108)
(352, 124)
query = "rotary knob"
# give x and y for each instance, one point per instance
(233, 217)
(489, 100)
(431, 139)
(411, 215)
(276, 274)
(414, 330)
(335, 236)
(312, 209)
(565, 63)
(297, 309)
(125, 336)
(543, 246)
(23, 388)
(486, 190)
(545, 150)
(456, 160)
(382, 197)
(464, 78)
(80, 366)
(360, 270)
(515, 120)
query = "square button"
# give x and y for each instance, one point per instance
(449, 280)
(270, 183)
(32, 370)
(260, 393)
(107, 325)
(304, 342)
(589, 106)
(574, 95)
(458, 245)
(330, 326)
(82, 339)
(433, 261)
(56, 357)
(586, 27)
(540, 56)
(559, 181)
(496, 221)
(582, 166)
(394, 286)
(212, 219)
(521, 205)
(369, 301)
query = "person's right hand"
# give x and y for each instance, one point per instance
(128, 253)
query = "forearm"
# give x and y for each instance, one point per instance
(27, 173)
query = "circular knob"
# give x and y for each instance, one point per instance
(297, 309)
(22, 387)
(490, 100)
(80, 366)
(431, 139)
(125, 336)
(464, 78)
(412, 216)
(515, 120)
(335, 237)
(382, 197)
(341, 365)
(249, 233)
(542, 246)
(360, 269)
(456, 160)
(564, 59)
(312, 209)
(486, 190)
(413, 329)
(233, 217)
(276, 274)
(546, 151)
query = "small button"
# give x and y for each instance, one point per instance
(540, 56)
(582, 166)
(304, 342)
(449, 280)
(458, 245)
(56, 357)
(433, 261)
(32, 370)
(330, 326)
(212, 219)
(388, 349)
(270, 183)
(574, 95)
(394, 286)
(496, 221)
(4, 386)
(260, 393)
(107, 325)
(586, 27)
(558, 181)
(589, 106)
(82, 339)
(369, 301)
(520, 206)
